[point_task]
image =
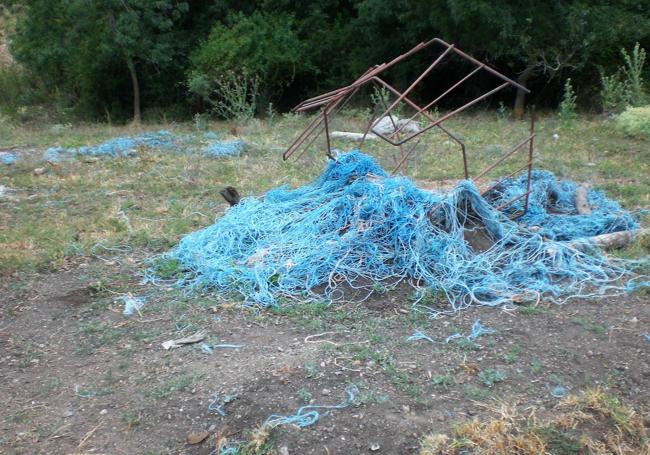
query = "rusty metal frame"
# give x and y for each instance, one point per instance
(331, 102)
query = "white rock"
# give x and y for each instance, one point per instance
(386, 125)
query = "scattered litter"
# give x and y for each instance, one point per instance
(205, 347)
(479, 329)
(160, 140)
(8, 158)
(196, 437)
(83, 393)
(131, 304)
(417, 335)
(307, 415)
(226, 346)
(5, 193)
(231, 148)
(216, 403)
(357, 224)
(559, 391)
(647, 337)
(195, 338)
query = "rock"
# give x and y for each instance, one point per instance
(103, 412)
(325, 392)
(39, 171)
(284, 450)
(197, 437)
(374, 447)
(386, 126)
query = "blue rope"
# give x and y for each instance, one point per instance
(158, 140)
(356, 224)
(478, 329)
(307, 415)
(417, 335)
(8, 158)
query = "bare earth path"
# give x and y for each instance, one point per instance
(76, 376)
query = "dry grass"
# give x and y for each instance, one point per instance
(594, 422)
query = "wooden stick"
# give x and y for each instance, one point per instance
(610, 241)
(582, 203)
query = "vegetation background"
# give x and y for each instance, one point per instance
(116, 60)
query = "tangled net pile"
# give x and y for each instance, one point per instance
(159, 140)
(357, 227)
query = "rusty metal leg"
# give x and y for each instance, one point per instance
(530, 158)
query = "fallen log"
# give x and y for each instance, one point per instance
(610, 241)
(582, 203)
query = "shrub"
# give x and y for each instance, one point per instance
(626, 87)
(256, 55)
(568, 105)
(635, 121)
(615, 93)
(633, 70)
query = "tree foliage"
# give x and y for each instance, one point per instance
(91, 54)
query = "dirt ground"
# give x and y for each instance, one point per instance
(76, 376)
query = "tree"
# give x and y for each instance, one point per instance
(86, 48)
(264, 46)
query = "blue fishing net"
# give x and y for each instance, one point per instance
(357, 227)
(8, 158)
(208, 143)
(552, 208)
(229, 148)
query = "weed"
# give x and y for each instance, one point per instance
(568, 105)
(304, 395)
(490, 377)
(535, 367)
(443, 380)
(513, 354)
(130, 420)
(311, 371)
(178, 384)
(476, 393)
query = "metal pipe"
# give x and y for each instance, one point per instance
(504, 156)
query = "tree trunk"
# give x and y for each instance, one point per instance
(520, 99)
(136, 90)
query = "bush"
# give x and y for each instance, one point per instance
(626, 87)
(635, 121)
(262, 50)
(568, 105)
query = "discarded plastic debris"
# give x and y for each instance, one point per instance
(217, 403)
(83, 393)
(195, 338)
(559, 391)
(647, 337)
(163, 140)
(479, 329)
(209, 348)
(358, 225)
(417, 335)
(131, 304)
(307, 415)
(8, 158)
